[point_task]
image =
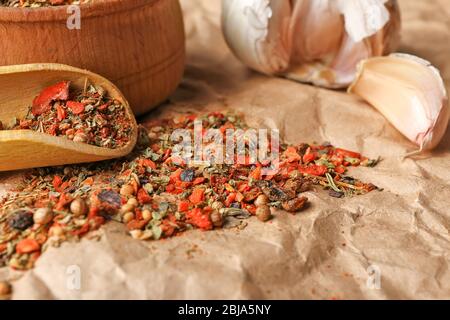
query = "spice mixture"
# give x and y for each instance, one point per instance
(39, 3)
(158, 196)
(87, 117)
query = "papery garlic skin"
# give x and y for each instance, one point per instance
(409, 92)
(353, 30)
(315, 41)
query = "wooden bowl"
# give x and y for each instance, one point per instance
(139, 45)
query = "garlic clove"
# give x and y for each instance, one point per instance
(409, 92)
(256, 31)
(316, 31)
(346, 61)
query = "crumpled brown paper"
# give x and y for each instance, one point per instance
(337, 249)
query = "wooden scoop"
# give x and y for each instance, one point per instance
(21, 149)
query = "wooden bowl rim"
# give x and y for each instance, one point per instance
(59, 13)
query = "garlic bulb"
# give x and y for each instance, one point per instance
(316, 41)
(409, 92)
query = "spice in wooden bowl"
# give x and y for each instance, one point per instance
(88, 117)
(40, 3)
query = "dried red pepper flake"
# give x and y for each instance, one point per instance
(200, 219)
(61, 113)
(307, 158)
(93, 212)
(244, 187)
(198, 180)
(27, 246)
(167, 229)
(340, 169)
(314, 170)
(3, 247)
(53, 129)
(64, 200)
(57, 181)
(148, 163)
(88, 181)
(41, 103)
(103, 107)
(197, 196)
(176, 175)
(256, 174)
(170, 188)
(64, 186)
(225, 127)
(183, 206)
(191, 117)
(143, 197)
(347, 153)
(81, 231)
(96, 221)
(230, 199)
(167, 154)
(75, 107)
(292, 155)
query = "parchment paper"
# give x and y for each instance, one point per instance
(334, 250)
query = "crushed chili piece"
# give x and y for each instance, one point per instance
(41, 103)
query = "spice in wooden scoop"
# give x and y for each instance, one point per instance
(158, 196)
(39, 3)
(87, 117)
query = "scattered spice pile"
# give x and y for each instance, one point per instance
(39, 3)
(87, 117)
(158, 196)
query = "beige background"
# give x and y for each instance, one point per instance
(323, 253)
